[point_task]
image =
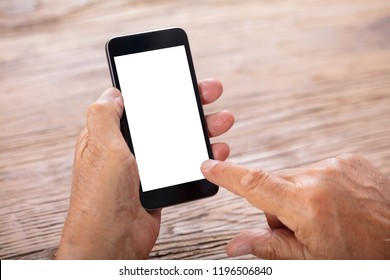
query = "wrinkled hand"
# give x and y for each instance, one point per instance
(105, 218)
(335, 209)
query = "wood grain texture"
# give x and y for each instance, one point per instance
(306, 80)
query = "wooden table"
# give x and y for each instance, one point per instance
(306, 80)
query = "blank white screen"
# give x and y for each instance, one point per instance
(163, 117)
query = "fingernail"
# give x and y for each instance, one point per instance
(110, 93)
(242, 250)
(208, 164)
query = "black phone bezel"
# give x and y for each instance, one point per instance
(148, 41)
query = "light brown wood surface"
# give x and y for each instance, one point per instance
(306, 80)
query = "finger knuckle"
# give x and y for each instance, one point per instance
(333, 168)
(353, 161)
(340, 165)
(252, 179)
(348, 157)
(270, 251)
(116, 146)
(97, 108)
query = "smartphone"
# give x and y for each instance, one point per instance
(163, 123)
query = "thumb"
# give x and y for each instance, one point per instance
(103, 118)
(267, 244)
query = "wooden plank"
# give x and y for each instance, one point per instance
(305, 82)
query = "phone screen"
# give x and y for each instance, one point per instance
(163, 116)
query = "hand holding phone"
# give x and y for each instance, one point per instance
(163, 122)
(119, 227)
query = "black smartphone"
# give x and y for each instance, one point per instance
(163, 123)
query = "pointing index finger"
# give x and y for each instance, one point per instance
(264, 190)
